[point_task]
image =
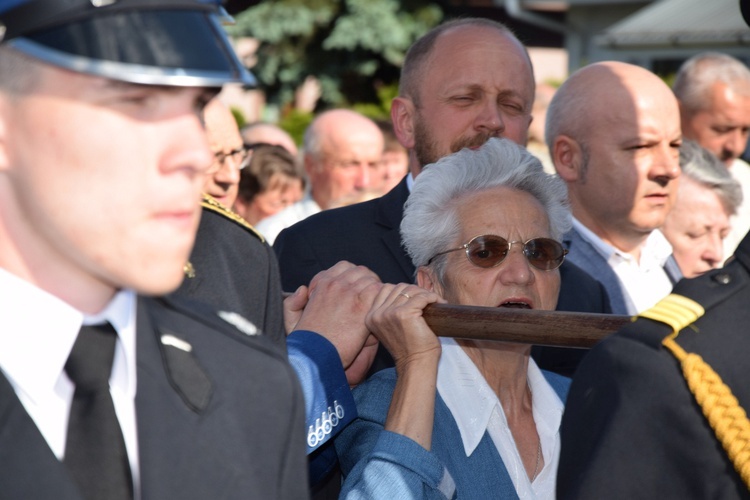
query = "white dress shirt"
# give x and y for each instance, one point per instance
(644, 282)
(37, 333)
(476, 409)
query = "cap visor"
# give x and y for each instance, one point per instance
(155, 47)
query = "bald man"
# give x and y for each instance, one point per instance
(343, 153)
(638, 423)
(223, 176)
(268, 133)
(620, 161)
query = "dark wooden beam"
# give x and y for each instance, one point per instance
(551, 328)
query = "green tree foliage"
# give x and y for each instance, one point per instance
(353, 47)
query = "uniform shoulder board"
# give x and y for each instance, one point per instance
(210, 203)
(675, 310)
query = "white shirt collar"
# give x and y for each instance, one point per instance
(471, 400)
(120, 312)
(38, 326)
(656, 251)
(409, 182)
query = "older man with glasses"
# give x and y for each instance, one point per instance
(224, 139)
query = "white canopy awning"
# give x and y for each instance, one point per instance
(679, 23)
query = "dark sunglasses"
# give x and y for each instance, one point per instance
(488, 250)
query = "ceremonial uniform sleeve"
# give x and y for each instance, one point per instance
(329, 405)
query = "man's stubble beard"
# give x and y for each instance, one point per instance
(426, 148)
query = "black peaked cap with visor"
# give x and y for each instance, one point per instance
(152, 42)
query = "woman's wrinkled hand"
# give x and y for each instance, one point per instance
(397, 321)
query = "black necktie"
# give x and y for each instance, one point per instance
(95, 451)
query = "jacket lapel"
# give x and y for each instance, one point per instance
(481, 475)
(587, 258)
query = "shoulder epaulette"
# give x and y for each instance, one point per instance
(210, 203)
(720, 407)
(675, 310)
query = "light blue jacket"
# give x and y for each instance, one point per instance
(385, 465)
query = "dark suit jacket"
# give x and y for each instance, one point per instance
(368, 234)
(631, 427)
(234, 269)
(223, 421)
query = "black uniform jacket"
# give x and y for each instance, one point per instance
(222, 421)
(232, 268)
(631, 427)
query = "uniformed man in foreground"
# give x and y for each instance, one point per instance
(659, 409)
(108, 390)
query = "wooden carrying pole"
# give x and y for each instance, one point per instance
(551, 328)
(523, 326)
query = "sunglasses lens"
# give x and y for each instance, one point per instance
(544, 253)
(487, 251)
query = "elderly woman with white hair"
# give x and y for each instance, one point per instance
(460, 418)
(700, 220)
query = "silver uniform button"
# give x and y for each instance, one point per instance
(722, 278)
(242, 324)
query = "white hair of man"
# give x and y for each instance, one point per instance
(430, 224)
(696, 76)
(706, 169)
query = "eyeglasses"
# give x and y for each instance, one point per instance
(238, 157)
(488, 250)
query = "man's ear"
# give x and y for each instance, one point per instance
(567, 157)
(402, 117)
